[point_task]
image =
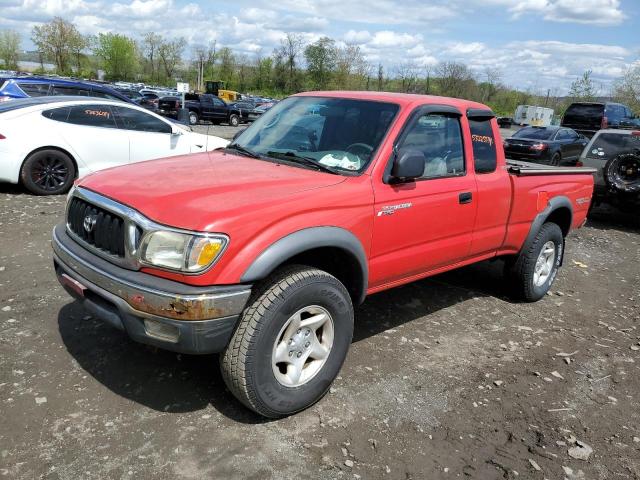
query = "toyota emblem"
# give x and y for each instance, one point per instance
(89, 222)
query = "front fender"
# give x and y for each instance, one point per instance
(303, 240)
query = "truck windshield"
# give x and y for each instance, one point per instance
(338, 133)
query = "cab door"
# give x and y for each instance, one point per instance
(422, 225)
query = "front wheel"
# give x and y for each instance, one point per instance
(534, 270)
(193, 118)
(290, 342)
(234, 120)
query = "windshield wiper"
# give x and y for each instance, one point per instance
(243, 150)
(308, 161)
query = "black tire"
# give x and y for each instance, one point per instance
(521, 271)
(622, 172)
(48, 172)
(234, 120)
(246, 363)
(194, 118)
(555, 159)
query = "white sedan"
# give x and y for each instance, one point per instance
(47, 142)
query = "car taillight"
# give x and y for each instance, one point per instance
(579, 164)
(605, 123)
(177, 104)
(636, 133)
(538, 146)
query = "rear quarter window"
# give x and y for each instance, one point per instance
(484, 146)
(92, 116)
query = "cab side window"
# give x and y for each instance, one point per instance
(485, 156)
(92, 116)
(439, 137)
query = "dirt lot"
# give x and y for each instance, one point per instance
(446, 378)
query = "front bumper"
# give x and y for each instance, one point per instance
(151, 310)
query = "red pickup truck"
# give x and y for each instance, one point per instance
(261, 250)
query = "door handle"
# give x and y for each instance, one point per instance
(465, 197)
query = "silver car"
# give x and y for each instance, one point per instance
(615, 154)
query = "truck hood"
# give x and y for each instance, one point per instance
(191, 191)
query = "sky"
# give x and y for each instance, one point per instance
(534, 44)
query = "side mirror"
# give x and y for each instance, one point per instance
(176, 130)
(238, 133)
(408, 164)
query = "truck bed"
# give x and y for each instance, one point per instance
(526, 169)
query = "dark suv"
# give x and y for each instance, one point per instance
(589, 117)
(24, 87)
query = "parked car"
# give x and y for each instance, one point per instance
(589, 117)
(261, 250)
(203, 107)
(46, 142)
(148, 101)
(25, 87)
(615, 154)
(505, 122)
(550, 145)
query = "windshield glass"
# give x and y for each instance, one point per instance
(342, 134)
(608, 145)
(534, 133)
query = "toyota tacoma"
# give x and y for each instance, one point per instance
(260, 251)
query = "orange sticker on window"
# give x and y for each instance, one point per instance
(98, 113)
(482, 139)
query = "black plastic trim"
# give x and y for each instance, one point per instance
(308, 239)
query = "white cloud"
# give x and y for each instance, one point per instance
(593, 12)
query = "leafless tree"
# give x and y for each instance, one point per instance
(455, 79)
(151, 43)
(291, 48)
(170, 53)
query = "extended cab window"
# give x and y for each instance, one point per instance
(484, 145)
(130, 119)
(92, 116)
(439, 137)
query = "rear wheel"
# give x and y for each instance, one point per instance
(534, 270)
(234, 120)
(290, 342)
(622, 173)
(555, 159)
(48, 172)
(193, 118)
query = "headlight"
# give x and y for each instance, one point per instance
(181, 251)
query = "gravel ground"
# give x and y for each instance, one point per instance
(446, 378)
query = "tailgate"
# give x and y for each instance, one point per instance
(527, 169)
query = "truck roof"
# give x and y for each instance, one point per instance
(403, 99)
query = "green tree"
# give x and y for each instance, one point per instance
(627, 89)
(321, 61)
(10, 48)
(583, 88)
(58, 41)
(118, 55)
